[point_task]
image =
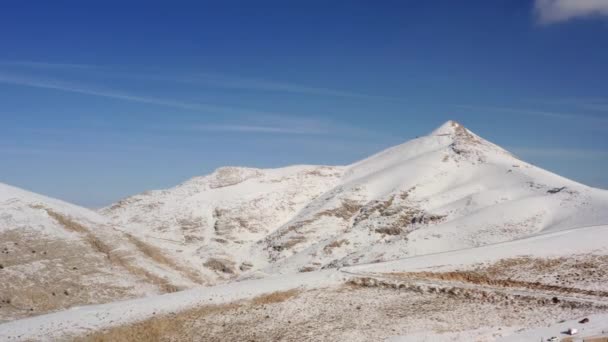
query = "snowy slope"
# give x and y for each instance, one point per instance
(55, 255)
(58, 326)
(213, 221)
(448, 201)
(448, 190)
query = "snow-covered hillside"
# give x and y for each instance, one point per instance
(442, 309)
(54, 255)
(446, 225)
(448, 190)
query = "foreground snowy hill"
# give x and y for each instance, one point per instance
(476, 294)
(54, 255)
(448, 190)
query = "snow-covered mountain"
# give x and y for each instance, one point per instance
(446, 225)
(448, 190)
(54, 255)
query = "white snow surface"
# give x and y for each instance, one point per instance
(79, 320)
(448, 190)
(89, 318)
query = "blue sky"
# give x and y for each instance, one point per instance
(103, 99)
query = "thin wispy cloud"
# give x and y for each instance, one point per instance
(210, 80)
(87, 90)
(559, 153)
(593, 104)
(521, 111)
(46, 65)
(599, 107)
(253, 129)
(20, 150)
(286, 125)
(231, 82)
(554, 11)
(249, 121)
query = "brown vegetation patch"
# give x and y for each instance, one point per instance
(61, 274)
(289, 243)
(347, 210)
(373, 207)
(182, 326)
(171, 327)
(220, 265)
(157, 255)
(117, 259)
(389, 230)
(275, 297)
(483, 279)
(335, 244)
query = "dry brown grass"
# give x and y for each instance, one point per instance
(295, 240)
(60, 267)
(335, 244)
(483, 279)
(172, 327)
(573, 271)
(373, 207)
(157, 255)
(347, 210)
(220, 265)
(275, 297)
(115, 259)
(389, 230)
(179, 327)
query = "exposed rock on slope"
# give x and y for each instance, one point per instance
(448, 190)
(215, 219)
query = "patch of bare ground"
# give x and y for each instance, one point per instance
(539, 274)
(482, 279)
(180, 326)
(116, 258)
(583, 271)
(220, 265)
(41, 275)
(347, 313)
(275, 297)
(289, 243)
(335, 244)
(345, 211)
(158, 256)
(172, 327)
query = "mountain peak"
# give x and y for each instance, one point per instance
(450, 127)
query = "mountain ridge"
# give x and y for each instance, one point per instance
(370, 207)
(449, 190)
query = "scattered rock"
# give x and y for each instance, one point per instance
(555, 190)
(584, 320)
(245, 266)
